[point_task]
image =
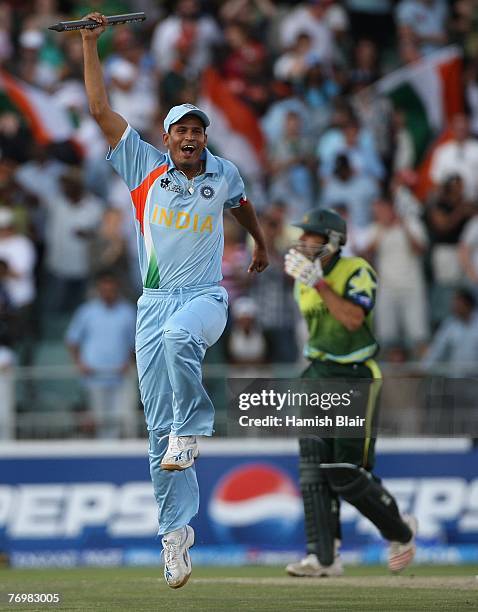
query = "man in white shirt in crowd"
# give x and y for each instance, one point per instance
(457, 156)
(18, 258)
(72, 219)
(309, 18)
(18, 253)
(397, 243)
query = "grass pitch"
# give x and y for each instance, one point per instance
(254, 589)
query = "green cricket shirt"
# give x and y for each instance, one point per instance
(354, 279)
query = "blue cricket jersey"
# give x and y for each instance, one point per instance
(180, 234)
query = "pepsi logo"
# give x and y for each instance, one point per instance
(256, 504)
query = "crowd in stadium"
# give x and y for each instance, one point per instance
(305, 73)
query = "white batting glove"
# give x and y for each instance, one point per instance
(302, 269)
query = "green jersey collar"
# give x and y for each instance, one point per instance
(331, 265)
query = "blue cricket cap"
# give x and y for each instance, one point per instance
(178, 112)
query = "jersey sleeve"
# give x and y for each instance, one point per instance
(236, 190)
(134, 159)
(361, 288)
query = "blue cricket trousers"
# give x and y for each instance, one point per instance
(174, 329)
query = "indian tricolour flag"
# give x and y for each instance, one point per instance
(48, 121)
(429, 93)
(235, 132)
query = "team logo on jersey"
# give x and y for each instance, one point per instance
(207, 192)
(362, 286)
(168, 185)
(181, 220)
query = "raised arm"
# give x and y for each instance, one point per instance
(112, 125)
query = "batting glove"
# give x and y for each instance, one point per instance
(302, 269)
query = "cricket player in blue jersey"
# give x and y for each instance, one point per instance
(179, 198)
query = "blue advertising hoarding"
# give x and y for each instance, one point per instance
(92, 503)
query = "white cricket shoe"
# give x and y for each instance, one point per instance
(177, 562)
(401, 555)
(181, 452)
(310, 567)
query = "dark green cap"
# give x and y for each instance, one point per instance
(323, 221)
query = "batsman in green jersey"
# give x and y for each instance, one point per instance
(336, 296)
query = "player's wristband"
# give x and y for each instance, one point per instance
(320, 284)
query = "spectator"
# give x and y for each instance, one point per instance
(373, 110)
(14, 138)
(355, 142)
(100, 338)
(72, 67)
(455, 345)
(243, 56)
(397, 244)
(309, 17)
(133, 81)
(365, 67)
(319, 89)
(32, 68)
(17, 257)
(293, 64)
(446, 215)
(40, 175)
(402, 185)
(352, 248)
(274, 120)
(246, 344)
(457, 156)
(351, 188)
(293, 165)
(447, 211)
(18, 254)
(108, 249)
(176, 86)
(463, 25)
(72, 220)
(244, 67)
(256, 15)
(97, 171)
(186, 28)
(423, 21)
(337, 19)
